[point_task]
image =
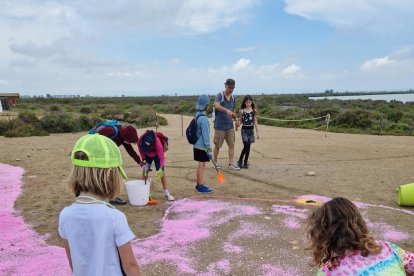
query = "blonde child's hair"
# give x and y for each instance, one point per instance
(104, 182)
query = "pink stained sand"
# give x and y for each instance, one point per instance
(272, 270)
(394, 235)
(231, 248)
(24, 252)
(292, 223)
(252, 230)
(222, 267)
(387, 232)
(186, 223)
(290, 210)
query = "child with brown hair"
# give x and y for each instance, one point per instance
(248, 122)
(95, 235)
(341, 244)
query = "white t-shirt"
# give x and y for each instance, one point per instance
(94, 231)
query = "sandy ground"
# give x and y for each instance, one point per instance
(361, 167)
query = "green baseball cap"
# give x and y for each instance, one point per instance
(102, 153)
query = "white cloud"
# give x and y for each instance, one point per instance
(373, 15)
(4, 82)
(246, 49)
(268, 70)
(376, 63)
(328, 76)
(127, 74)
(241, 64)
(168, 16)
(291, 71)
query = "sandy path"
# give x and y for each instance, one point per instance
(361, 167)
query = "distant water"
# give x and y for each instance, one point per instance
(386, 97)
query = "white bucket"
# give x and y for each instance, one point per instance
(138, 191)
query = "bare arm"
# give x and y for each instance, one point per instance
(129, 262)
(255, 126)
(220, 108)
(67, 250)
(239, 120)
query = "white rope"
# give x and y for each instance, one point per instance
(298, 120)
(319, 127)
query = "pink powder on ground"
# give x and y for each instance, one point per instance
(272, 270)
(186, 223)
(231, 248)
(24, 252)
(290, 210)
(292, 223)
(252, 230)
(394, 235)
(222, 267)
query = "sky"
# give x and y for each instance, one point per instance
(168, 47)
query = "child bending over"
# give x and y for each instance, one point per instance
(152, 146)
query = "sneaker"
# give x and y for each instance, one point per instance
(203, 189)
(239, 163)
(217, 165)
(169, 197)
(234, 167)
(246, 165)
(117, 201)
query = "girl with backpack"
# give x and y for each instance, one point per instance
(248, 121)
(96, 236)
(152, 146)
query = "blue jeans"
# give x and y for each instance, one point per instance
(156, 161)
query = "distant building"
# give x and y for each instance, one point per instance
(8, 101)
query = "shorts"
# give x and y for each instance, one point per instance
(221, 135)
(200, 155)
(247, 134)
(156, 161)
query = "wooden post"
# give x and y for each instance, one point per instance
(328, 118)
(182, 126)
(156, 121)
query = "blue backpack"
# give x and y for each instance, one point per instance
(111, 123)
(191, 131)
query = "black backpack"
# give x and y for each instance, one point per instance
(191, 131)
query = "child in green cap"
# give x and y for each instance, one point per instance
(96, 236)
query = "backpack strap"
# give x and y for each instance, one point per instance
(199, 115)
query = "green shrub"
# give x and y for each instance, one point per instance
(55, 108)
(4, 126)
(356, 118)
(85, 110)
(25, 131)
(84, 123)
(395, 116)
(28, 117)
(112, 112)
(58, 123)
